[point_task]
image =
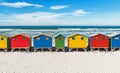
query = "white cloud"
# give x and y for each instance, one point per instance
(52, 18)
(79, 12)
(19, 4)
(40, 18)
(37, 18)
(58, 7)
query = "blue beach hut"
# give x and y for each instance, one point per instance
(115, 41)
(42, 42)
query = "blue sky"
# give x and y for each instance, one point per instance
(59, 12)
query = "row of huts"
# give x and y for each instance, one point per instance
(76, 41)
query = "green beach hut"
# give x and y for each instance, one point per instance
(60, 42)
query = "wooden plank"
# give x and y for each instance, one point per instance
(35, 50)
(50, 49)
(69, 49)
(27, 49)
(85, 50)
(5, 50)
(63, 49)
(12, 50)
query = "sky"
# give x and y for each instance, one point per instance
(59, 12)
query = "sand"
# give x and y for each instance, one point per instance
(60, 62)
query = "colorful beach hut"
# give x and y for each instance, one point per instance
(20, 41)
(99, 41)
(115, 41)
(3, 42)
(60, 42)
(77, 41)
(42, 42)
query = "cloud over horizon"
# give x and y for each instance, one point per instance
(76, 17)
(42, 18)
(19, 4)
(61, 12)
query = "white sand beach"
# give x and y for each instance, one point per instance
(60, 62)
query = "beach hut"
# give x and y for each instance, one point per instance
(99, 41)
(60, 42)
(3, 42)
(115, 41)
(20, 41)
(77, 41)
(42, 42)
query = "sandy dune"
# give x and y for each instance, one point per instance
(60, 62)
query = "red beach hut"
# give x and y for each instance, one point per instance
(20, 41)
(99, 41)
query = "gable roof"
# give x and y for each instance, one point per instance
(20, 34)
(94, 34)
(59, 35)
(114, 34)
(98, 35)
(77, 35)
(4, 36)
(42, 35)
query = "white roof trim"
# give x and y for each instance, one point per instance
(113, 34)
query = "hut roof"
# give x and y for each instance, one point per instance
(114, 34)
(4, 36)
(59, 35)
(20, 34)
(94, 34)
(98, 34)
(76, 35)
(42, 35)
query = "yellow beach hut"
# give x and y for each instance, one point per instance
(77, 41)
(3, 42)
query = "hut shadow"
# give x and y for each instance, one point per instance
(46, 50)
(66, 49)
(73, 50)
(43, 50)
(60, 50)
(100, 49)
(20, 50)
(31, 49)
(2, 50)
(81, 50)
(88, 48)
(53, 49)
(38, 50)
(77, 50)
(9, 46)
(116, 49)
